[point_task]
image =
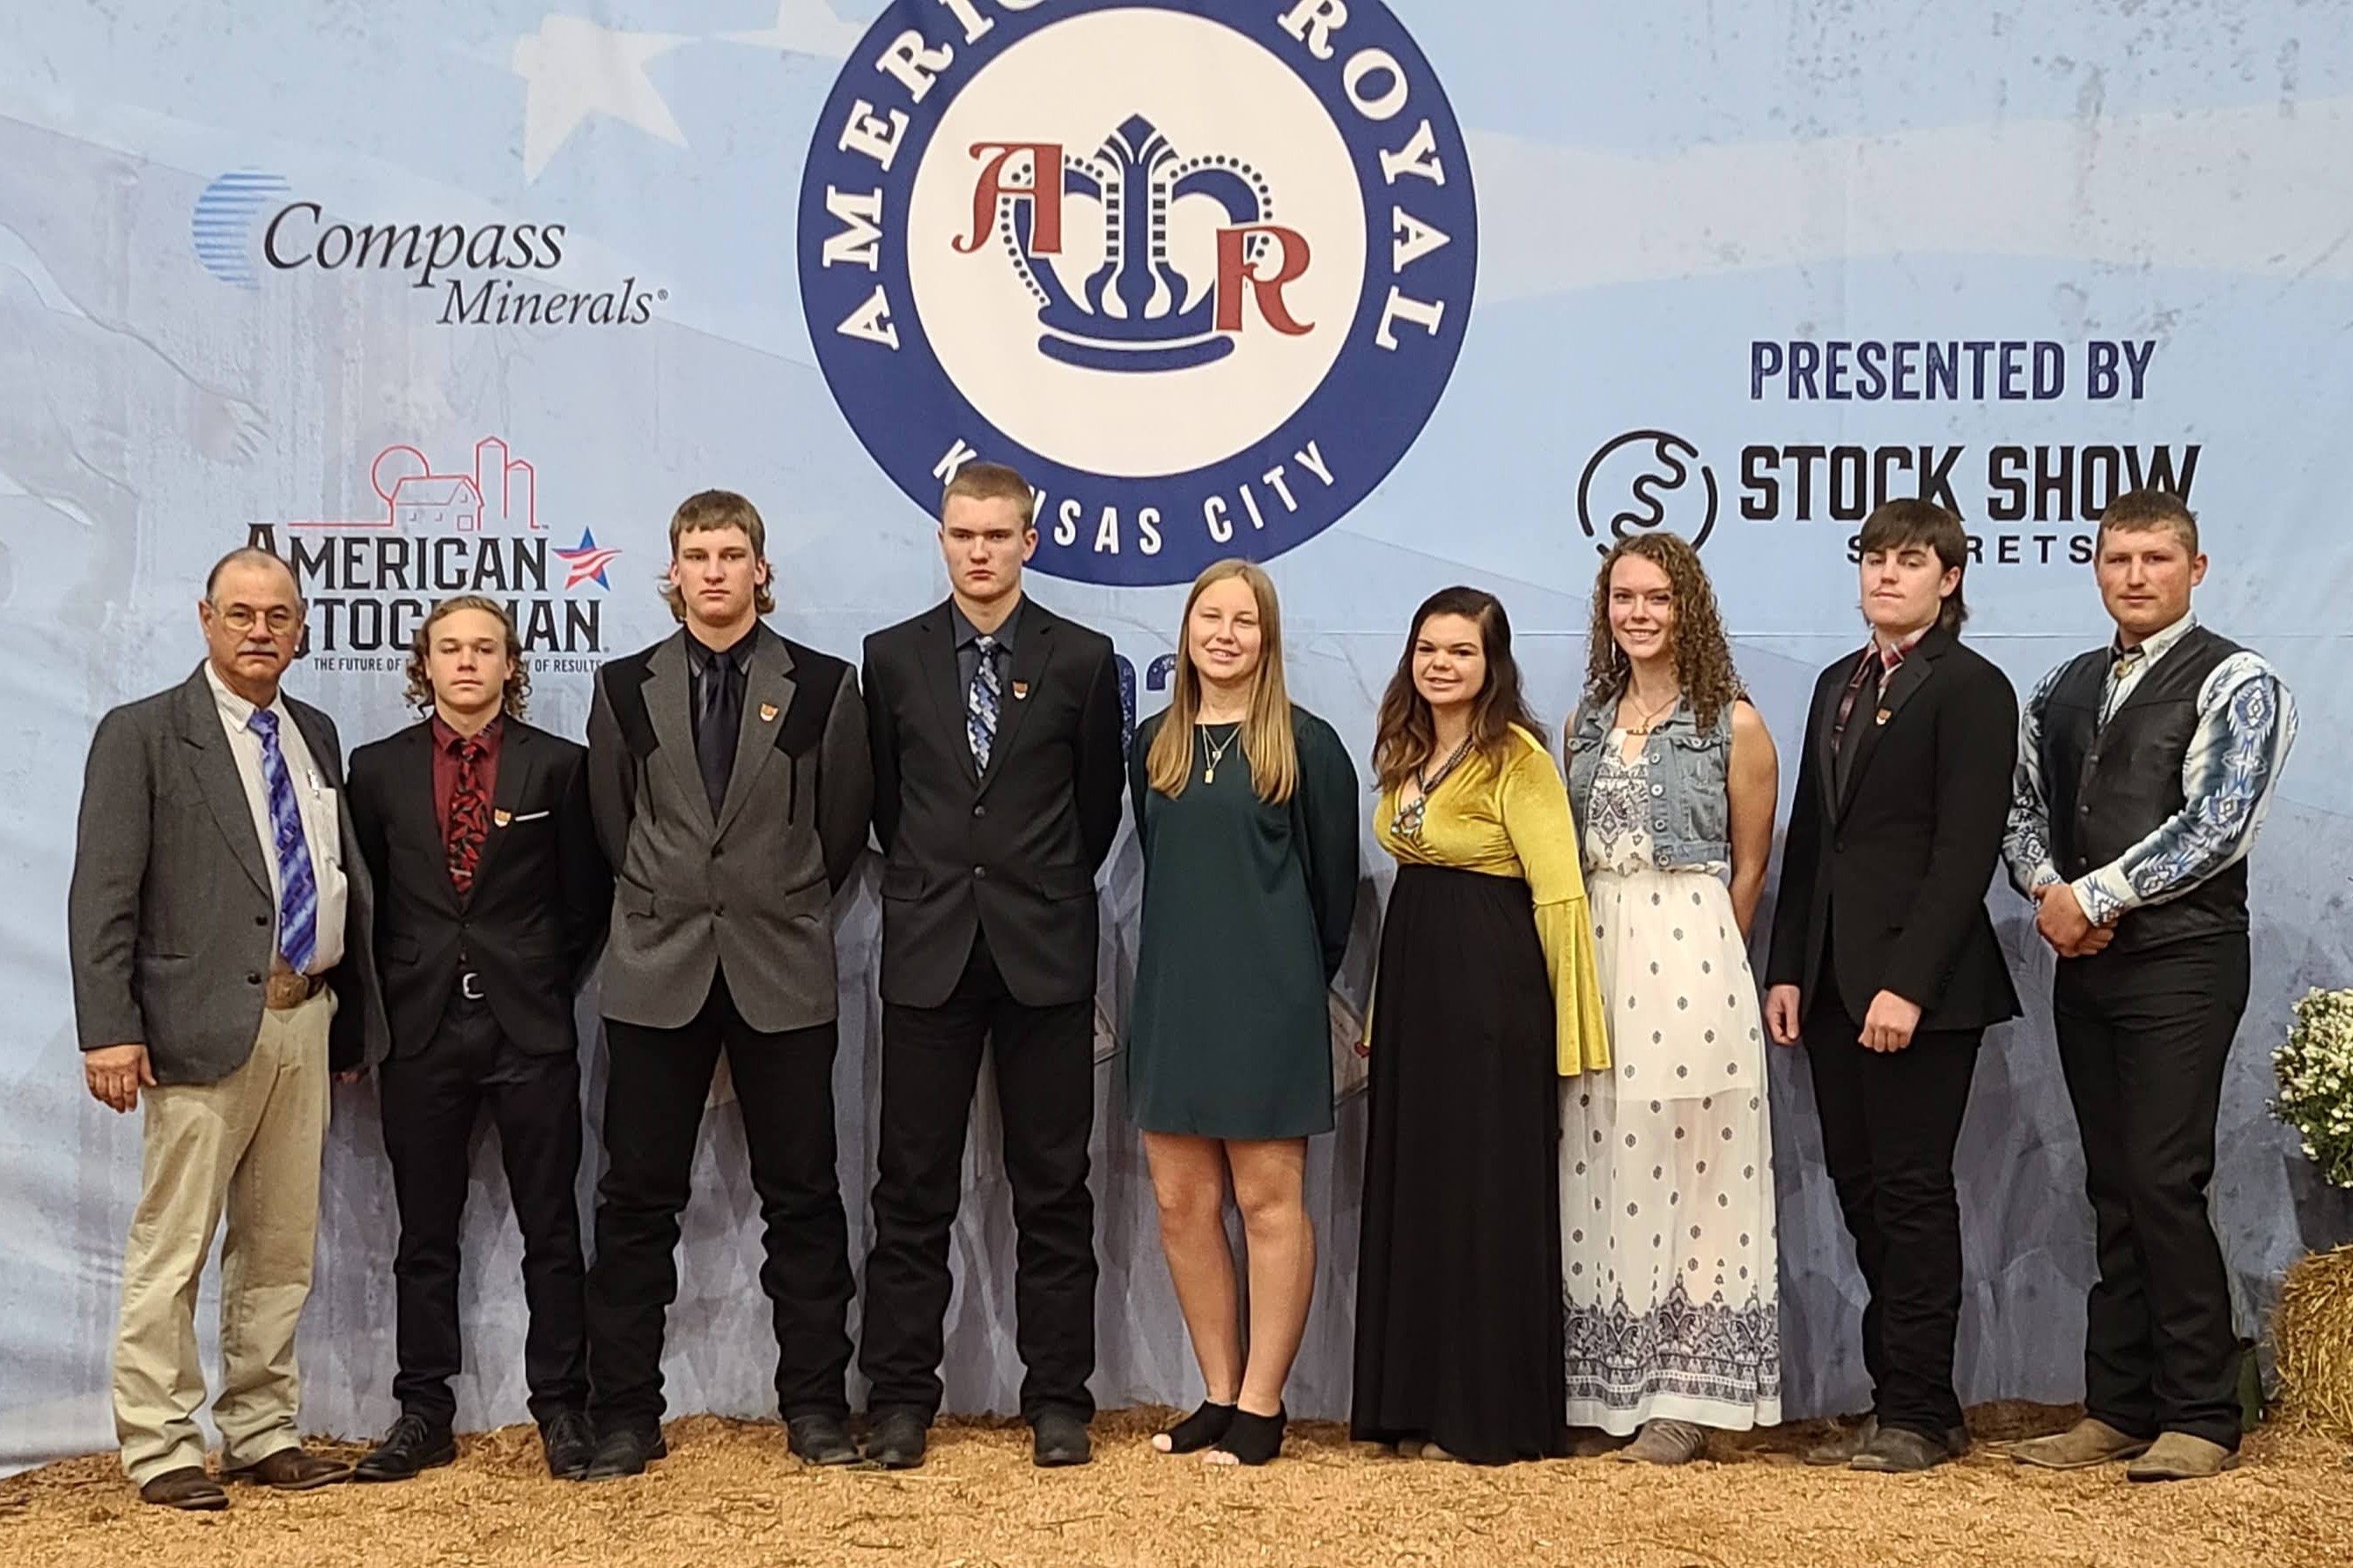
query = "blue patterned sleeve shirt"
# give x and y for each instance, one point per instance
(2246, 724)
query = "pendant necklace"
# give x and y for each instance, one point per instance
(1216, 753)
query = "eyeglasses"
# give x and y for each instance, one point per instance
(241, 617)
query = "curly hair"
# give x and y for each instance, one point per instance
(517, 697)
(1703, 656)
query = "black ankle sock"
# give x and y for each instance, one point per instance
(1200, 1429)
(1253, 1439)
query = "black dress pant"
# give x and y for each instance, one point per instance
(430, 1103)
(657, 1083)
(1891, 1122)
(2143, 1038)
(1045, 1090)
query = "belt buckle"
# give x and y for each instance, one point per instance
(469, 985)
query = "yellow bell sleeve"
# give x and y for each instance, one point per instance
(1534, 804)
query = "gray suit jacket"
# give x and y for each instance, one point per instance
(169, 916)
(750, 891)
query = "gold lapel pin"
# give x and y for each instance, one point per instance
(1884, 714)
(501, 818)
(1020, 692)
(767, 712)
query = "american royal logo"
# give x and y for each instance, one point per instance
(1199, 269)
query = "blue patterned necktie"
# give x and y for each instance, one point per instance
(298, 890)
(980, 703)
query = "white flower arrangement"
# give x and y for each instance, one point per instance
(2314, 1065)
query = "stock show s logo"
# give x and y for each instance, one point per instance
(1199, 270)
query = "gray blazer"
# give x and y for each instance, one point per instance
(750, 891)
(169, 915)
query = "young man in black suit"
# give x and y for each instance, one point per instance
(1884, 961)
(492, 899)
(998, 778)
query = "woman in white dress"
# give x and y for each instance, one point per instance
(1669, 1272)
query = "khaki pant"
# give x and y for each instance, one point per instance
(251, 1143)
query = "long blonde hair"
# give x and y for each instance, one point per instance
(1267, 739)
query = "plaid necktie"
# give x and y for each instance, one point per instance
(297, 889)
(470, 816)
(980, 703)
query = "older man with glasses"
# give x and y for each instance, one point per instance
(219, 920)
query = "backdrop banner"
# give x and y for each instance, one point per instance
(434, 297)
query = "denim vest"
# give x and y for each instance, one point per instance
(1691, 810)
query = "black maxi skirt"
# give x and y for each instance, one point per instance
(1458, 1280)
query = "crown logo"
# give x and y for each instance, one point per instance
(1139, 312)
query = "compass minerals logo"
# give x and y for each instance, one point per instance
(370, 580)
(1200, 270)
(249, 224)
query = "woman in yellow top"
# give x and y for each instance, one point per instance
(1487, 990)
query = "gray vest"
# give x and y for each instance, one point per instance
(1691, 810)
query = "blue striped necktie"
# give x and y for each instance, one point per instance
(980, 702)
(297, 889)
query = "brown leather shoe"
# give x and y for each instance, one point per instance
(291, 1470)
(2088, 1442)
(1841, 1446)
(187, 1487)
(2178, 1456)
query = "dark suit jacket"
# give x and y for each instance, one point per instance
(535, 916)
(1012, 852)
(1883, 884)
(169, 917)
(751, 889)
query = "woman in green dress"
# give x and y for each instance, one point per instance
(1246, 808)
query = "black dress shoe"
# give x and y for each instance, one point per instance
(570, 1444)
(1060, 1438)
(897, 1439)
(625, 1451)
(821, 1440)
(414, 1444)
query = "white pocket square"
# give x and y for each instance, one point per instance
(529, 817)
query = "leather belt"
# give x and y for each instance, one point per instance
(284, 990)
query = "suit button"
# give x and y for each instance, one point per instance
(261, 919)
(253, 980)
(980, 811)
(719, 910)
(980, 872)
(1838, 846)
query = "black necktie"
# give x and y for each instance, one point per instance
(715, 726)
(1862, 716)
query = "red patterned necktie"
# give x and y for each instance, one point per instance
(470, 816)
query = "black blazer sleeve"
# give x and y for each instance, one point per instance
(1976, 748)
(845, 781)
(1801, 860)
(1102, 770)
(881, 742)
(588, 876)
(612, 776)
(368, 825)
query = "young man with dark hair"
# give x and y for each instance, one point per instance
(729, 779)
(1885, 962)
(492, 899)
(994, 727)
(2145, 769)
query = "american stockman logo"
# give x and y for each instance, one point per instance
(1199, 270)
(369, 580)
